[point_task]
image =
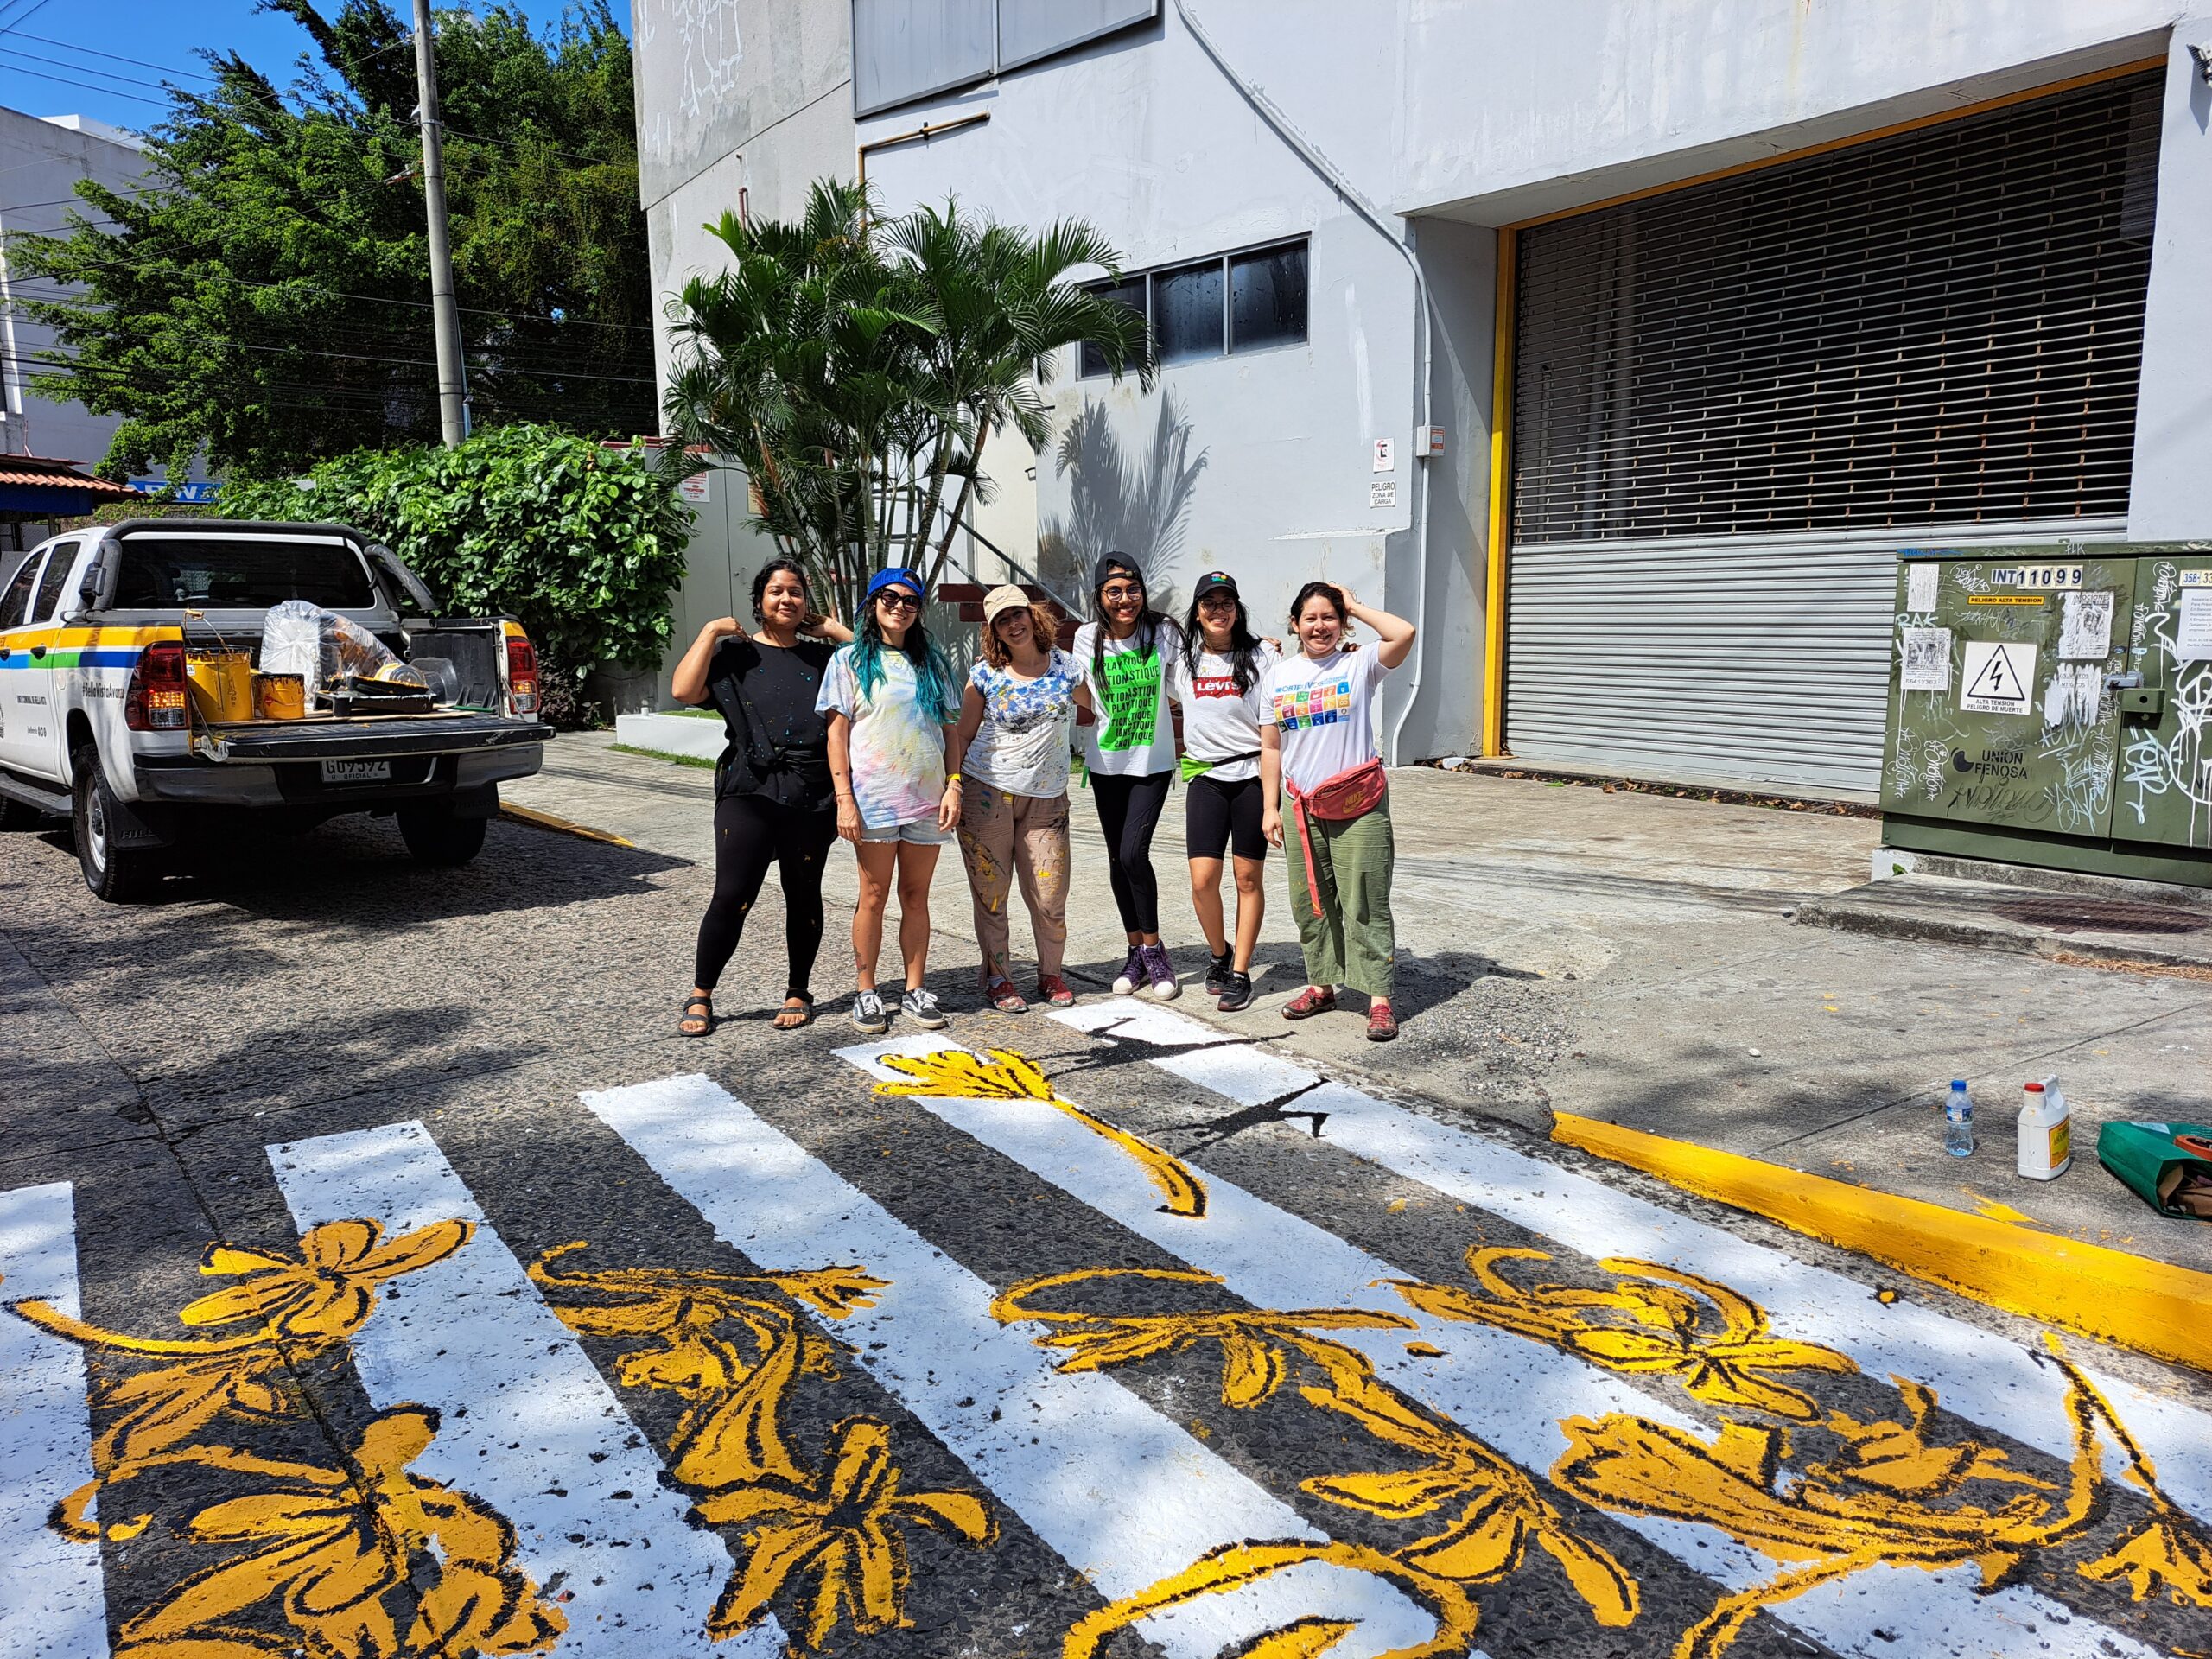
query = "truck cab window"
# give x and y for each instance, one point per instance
(15, 603)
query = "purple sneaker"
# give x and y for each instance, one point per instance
(1132, 974)
(1160, 972)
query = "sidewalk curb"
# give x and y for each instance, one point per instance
(531, 815)
(2130, 1300)
(1883, 923)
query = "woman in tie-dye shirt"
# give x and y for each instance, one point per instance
(894, 761)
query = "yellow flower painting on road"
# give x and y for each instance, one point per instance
(733, 1347)
(1653, 1319)
(955, 1074)
(337, 1550)
(1497, 1510)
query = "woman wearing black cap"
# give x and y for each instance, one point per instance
(1129, 754)
(1217, 677)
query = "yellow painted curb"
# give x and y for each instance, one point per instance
(2151, 1306)
(547, 821)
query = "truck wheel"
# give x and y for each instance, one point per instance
(436, 837)
(118, 877)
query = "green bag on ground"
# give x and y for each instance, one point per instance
(2168, 1166)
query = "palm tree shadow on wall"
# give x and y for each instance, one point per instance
(1137, 504)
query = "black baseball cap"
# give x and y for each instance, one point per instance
(1211, 579)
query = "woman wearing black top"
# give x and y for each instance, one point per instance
(773, 802)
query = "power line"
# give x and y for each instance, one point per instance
(66, 46)
(14, 68)
(25, 16)
(340, 294)
(61, 63)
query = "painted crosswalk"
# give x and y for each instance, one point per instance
(1511, 1393)
(1980, 1374)
(526, 1422)
(1245, 1424)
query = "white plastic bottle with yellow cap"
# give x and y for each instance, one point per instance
(2046, 1133)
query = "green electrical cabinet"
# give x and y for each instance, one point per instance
(2052, 705)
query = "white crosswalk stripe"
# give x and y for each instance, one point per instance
(1509, 1392)
(1123, 1495)
(529, 1426)
(52, 1603)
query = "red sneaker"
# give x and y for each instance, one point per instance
(1055, 991)
(999, 991)
(1314, 999)
(1382, 1024)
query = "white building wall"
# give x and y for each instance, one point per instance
(41, 160)
(1458, 115)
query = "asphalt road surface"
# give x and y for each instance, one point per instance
(380, 1274)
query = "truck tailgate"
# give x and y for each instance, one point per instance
(371, 739)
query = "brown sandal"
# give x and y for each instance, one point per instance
(705, 1016)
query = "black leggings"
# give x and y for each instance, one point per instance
(1129, 811)
(751, 834)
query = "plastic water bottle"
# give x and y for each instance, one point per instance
(1958, 1120)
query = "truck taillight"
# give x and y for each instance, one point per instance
(156, 699)
(522, 674)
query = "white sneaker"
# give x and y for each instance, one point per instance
(921, 1006)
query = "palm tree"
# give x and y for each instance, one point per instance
(854, 368)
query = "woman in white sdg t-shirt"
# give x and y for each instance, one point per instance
(1216, 676)
(1317, 741)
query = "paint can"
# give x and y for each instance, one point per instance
(280, 696)
(222, 685)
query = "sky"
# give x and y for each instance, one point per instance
(68, 57)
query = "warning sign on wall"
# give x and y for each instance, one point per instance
(1998, 677)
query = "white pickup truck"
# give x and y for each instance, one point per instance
(101, 721)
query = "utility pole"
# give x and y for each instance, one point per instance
(452, 374)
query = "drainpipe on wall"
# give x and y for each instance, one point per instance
(1265, 108)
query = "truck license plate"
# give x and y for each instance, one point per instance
(356, 772)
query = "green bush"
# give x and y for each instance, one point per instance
(580, 544)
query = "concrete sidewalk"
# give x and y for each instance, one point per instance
(1622, 957)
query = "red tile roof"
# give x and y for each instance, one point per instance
(38, 470)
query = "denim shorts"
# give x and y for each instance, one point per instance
(921, 832)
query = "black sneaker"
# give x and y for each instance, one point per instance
(1236, 991)
(1219, 970)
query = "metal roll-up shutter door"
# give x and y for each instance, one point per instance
(1734, 403)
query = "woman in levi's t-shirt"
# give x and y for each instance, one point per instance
(1317, 741)
(1217, 678)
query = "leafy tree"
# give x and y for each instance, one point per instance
(855, 368)
(578, 543)
(265, 294)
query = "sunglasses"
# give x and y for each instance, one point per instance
(897, 602)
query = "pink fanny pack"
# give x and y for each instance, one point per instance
(1351, 793)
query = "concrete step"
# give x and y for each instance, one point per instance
(2068, 925)
(1890, 861)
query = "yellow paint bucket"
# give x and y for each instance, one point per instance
(280, 696)
(222, 685)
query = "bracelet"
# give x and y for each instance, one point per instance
(952, 778)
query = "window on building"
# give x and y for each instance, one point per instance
(1129, 291)
(1266, 297)
(1235, 302)
(904, 50)
(1187, 312)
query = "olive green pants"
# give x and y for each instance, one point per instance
(1348, 936)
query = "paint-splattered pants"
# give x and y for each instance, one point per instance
(1005, 837)
(1348, 938)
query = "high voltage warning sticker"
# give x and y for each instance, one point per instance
(2006, 598)
(1996, 677)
